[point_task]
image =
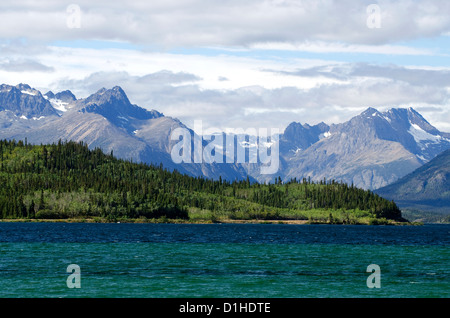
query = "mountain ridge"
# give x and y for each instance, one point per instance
(371, 150)
(427, 188)
(22, 100)
(108, 120)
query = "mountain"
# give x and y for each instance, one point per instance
(61, 100)
(370, 151)
(23, 108)
(64, 96)
(113, 104)
(107, 120)
(24, 101)
(298, 137)
(427, 188)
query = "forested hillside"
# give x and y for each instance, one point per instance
(68, 181)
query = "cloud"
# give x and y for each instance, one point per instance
(327, 71)
(235, 89)
(413, 76)
(142, 89)
(23, 65)
(235, 23)
(317, 46)
(20, 47)
(354, 71)
(180, 95)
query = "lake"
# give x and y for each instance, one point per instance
(223, 261)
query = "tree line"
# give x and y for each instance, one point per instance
(67, 180)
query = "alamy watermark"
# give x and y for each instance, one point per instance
(73, 20)
(373, 16)
(374, 279)
(251, 145)
(74, 279)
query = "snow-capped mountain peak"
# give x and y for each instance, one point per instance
(24, 102)
(61, 101)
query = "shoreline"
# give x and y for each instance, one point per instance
(181, 221)
(153, 221)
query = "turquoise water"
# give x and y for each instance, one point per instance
(223, 261)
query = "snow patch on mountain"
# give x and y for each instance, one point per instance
(326, 134)
(29, 93)
(58, 104)
(387, 119)
(421, 135)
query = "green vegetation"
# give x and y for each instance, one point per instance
(69, 181)
(424, 216)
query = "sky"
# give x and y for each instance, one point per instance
(237, 63)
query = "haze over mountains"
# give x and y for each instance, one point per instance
(371, 150)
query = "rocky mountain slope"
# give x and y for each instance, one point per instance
(427, 188)
(105, 119)
(371, 150)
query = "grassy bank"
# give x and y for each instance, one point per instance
(206, 218)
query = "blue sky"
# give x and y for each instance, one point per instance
(234, 63)
(436, 52)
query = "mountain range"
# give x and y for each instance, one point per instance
(425, 189)
(370, 151)
(106, 120)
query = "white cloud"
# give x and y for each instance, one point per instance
(437, 77)
(226, 23)
(257, 106)
(189, 87)
(77, 64)
(193, 86)
(339, 47)
(24, 65)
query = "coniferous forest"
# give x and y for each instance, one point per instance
(67, 180)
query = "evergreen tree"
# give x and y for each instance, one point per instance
(69, 180)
